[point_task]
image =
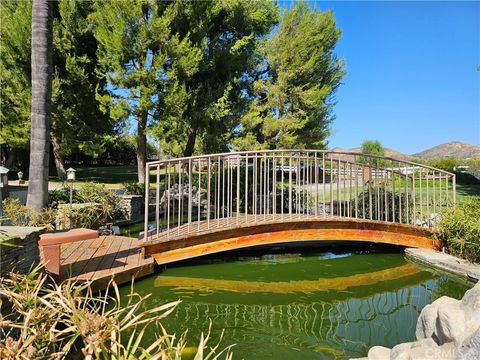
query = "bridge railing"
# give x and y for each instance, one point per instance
(208, 192)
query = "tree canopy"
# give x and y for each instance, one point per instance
(191, 76)
(77, 124)
(294, 84)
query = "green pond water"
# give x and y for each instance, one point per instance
(323, 303)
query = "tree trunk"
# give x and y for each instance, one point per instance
(41, 59)
(141, 146)
(190, 147)
(59, 159)
(10, 158)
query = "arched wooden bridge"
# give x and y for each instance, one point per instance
(211, 203)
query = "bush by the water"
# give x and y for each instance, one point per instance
(459, 229)
(101, 206)
(66, 321)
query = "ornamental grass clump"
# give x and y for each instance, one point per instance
(51, 321)
(459, 229)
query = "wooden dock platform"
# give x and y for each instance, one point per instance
(102, 258)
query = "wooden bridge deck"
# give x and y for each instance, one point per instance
(101, 259)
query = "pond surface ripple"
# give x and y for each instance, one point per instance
(306, 304)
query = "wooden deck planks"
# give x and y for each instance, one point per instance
(98, 260)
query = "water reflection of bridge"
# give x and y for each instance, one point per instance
(317, 326)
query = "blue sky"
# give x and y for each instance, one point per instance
(412, 80)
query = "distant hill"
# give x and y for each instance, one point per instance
(388, 153)
(455, 149)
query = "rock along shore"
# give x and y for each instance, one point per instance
(447, 329)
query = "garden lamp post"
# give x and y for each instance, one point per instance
(71, 179)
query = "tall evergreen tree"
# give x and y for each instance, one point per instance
(206, 102)
(132, 36)
(42, 34)
(15, 81)
(293, 91)
(77, 124)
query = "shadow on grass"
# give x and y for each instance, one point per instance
(105, 174)
(468, 190)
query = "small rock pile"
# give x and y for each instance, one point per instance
(446, 329)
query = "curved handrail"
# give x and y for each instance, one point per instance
(246, 152)
(260, 183)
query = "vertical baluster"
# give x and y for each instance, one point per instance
(290, 186)
(282, 168)
(246, 188)
(306, 182)
(267, 186)
(189, 194)
(363, 191)
(414, 198)
(376, 183)
(297, 186)
(428, 199)
(394, 213)
(219, 172)
(255, 187)
(238, 189)
(199, 188)
(420, 180)
(209, 179)
(168, 198)
(446, 190)
(350, 179)
(323, 190)
(434, 194)
(274, 185)
(180, 194)
(331, 186)
(407, 205)
(454, 189)
(440, 190)
(316, 185)
(223, 189)
(385, 179)
(147, 201)
(356, 186)
(400, 217)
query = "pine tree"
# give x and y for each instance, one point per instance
(204, 101)
(293, 92)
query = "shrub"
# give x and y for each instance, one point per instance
(134, 188)
(51, 321)
(62, 196)
(20, 215)
(459, 229)
(102, 206)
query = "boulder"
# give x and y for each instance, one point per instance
(401, 351)
(470, 348)
(427, 320)
(379, 353)
(451, 323)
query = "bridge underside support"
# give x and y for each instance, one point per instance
(193, 245)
